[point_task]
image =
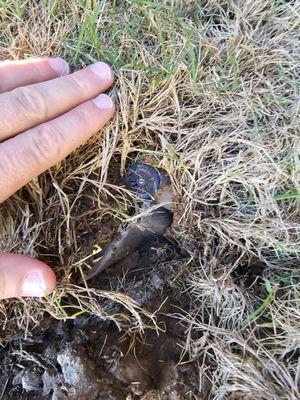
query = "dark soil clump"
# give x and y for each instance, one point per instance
(88, 358)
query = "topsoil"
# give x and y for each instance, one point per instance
(88, 358)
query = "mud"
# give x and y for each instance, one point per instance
(88, 358)
(76, 365)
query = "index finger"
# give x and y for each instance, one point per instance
(27, 155)
(44, 101)
(18, 73)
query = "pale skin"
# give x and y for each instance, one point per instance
(46, 113)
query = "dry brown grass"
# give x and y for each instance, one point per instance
(210, 90)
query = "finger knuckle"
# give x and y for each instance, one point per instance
(30, 103)
(46, 143)
(80, 85)
(80, 116)
(5, 120)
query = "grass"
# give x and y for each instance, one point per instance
(210, 91)
(265, 303)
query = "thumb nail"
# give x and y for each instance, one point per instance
(34, 285)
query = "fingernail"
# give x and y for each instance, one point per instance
(102, 70)
(34, 285)
(103, 101)
(59, 65)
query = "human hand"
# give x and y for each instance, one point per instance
(45, 114)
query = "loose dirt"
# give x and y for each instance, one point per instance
(87, 358)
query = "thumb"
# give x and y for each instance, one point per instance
(22, 276)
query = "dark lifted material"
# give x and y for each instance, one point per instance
(153, 186)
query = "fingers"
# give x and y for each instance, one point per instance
(21, 276)
(27, 155)
(14, 74)
(41, 102)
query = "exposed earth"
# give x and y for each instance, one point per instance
(87, 358)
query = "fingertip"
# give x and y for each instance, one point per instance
(39, 282)
(59, 65)
(105, 109)
(22, 276)
(104, 102)
(103, 71)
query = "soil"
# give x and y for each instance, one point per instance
(88, 358)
